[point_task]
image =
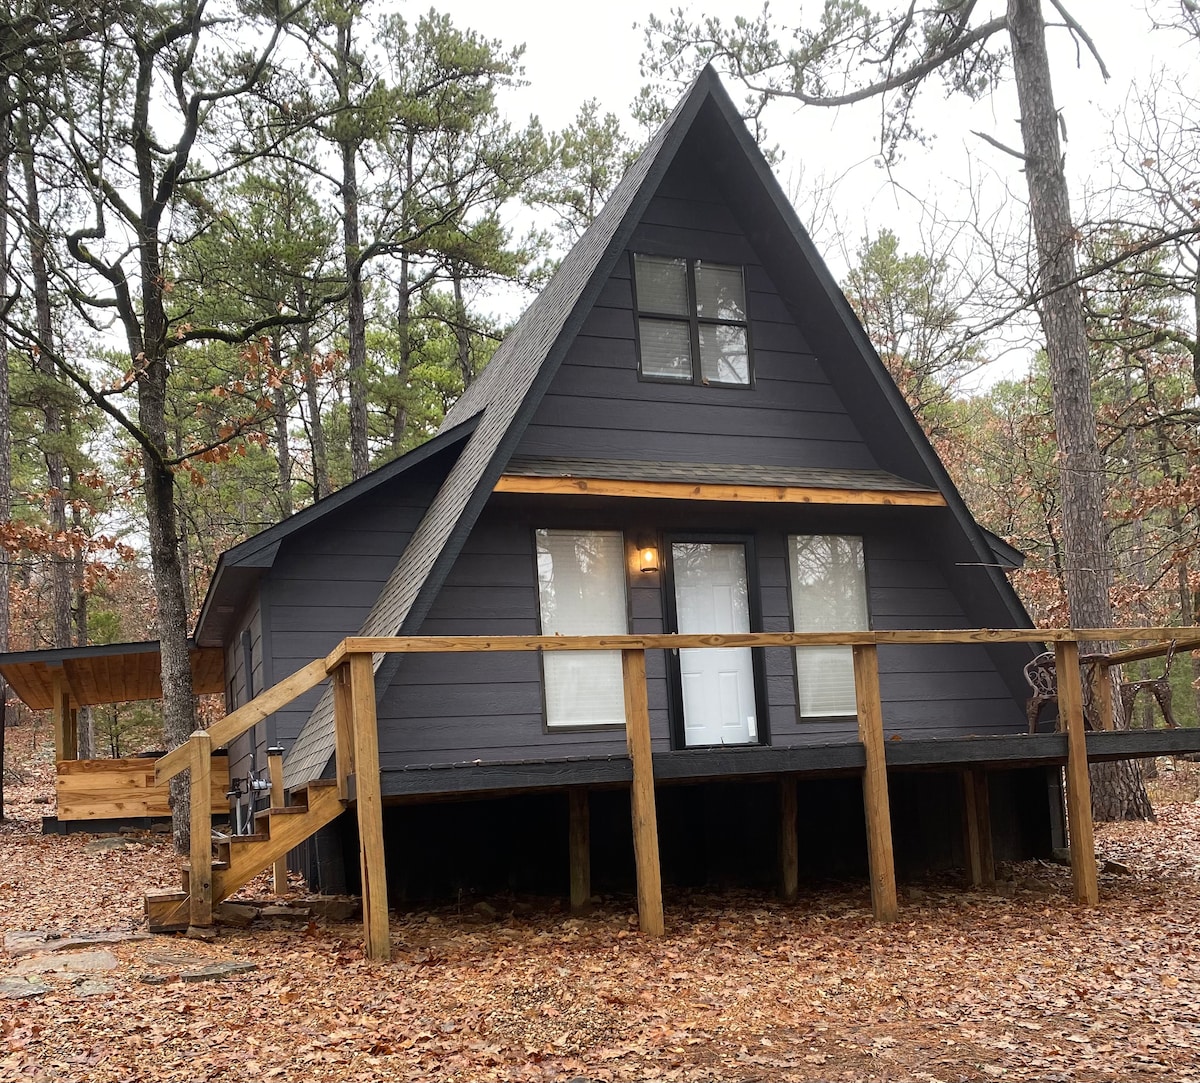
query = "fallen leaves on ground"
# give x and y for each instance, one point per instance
(965, 986)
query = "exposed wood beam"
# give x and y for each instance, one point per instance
(686, 490)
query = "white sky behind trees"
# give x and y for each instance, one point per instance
(830, 162)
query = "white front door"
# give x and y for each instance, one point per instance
(712, 595)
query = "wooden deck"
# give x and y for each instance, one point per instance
(357, 775)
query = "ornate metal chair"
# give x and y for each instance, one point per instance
(1159, 687)
(1043, 679)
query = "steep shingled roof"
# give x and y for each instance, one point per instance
(504, 395)
(504, 398)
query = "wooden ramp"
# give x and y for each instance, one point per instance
(237, 859)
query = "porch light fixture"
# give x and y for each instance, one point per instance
(647, 555)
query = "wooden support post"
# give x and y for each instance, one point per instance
(1079, 787)
(789, 842)
(275, 770)
(72, 733)
(875, 786)
(343, 730)
(645, 819)
(580, 846)
(370, 807)
(61, 711)
(200, 886)
(977, 828)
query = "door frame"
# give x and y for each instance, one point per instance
(671, 623)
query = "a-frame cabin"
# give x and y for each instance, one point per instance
(687, 431)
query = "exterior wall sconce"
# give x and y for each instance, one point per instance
(647, 555)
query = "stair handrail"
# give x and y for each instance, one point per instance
(234, 724)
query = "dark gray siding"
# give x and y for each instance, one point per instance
(242, 685)
(325, 579)
(597, 407)
(458, 708)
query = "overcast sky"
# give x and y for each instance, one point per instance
(582, 51)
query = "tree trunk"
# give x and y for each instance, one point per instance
(283, 453)
(316, 427)
(1117, 791)
(60, 558)
(5, 420)
(356, 323)
(462, 338)
(87, 718)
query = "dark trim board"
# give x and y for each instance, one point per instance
(1010, 751)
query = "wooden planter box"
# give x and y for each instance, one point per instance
(122, 789)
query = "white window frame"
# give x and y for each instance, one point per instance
(823, 699)
(567, 676)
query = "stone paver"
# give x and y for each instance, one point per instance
(38, 941)
(17, 988)
(69, 962)
(212, 972)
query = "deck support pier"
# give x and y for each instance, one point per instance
(789, 841)
(645, 818)
(370, 807)
(875, 786)
(580, 846)
(1079, 787)
(977, 829)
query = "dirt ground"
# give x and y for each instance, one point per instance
(1020, 984)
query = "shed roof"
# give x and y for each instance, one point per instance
(111, 673)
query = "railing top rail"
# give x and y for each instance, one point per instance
(467, 644)
(238, 722)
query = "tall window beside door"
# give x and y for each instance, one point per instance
(581, 591)
(829, 594)
(692, 324)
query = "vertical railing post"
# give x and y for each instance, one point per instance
(1079, 788)
(580, 847)
(200, 886)
(364, 725)
(645, 819)
(875, 786)
(275, 770)
(343, 729)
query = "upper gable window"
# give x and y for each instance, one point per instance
(691, 321)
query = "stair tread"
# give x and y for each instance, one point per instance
(166, 896)
(287, 810)
(217, 865)
(247, 838)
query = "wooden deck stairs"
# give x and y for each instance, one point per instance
(237, 859)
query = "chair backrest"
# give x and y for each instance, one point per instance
(1041, 675)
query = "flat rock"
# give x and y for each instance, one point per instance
(100, 846)
(40, 941)
(291, 913)
(15, 988)
(89, 987)
(238, 914)
(67, 962)
(212, 972)
(332, 907)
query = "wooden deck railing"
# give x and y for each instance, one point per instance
(350, 666)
